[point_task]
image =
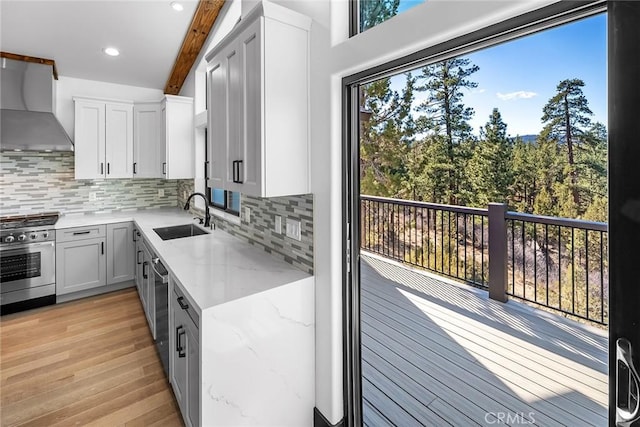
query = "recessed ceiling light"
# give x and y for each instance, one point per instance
(111, 51)
(17, 149)
(177, 6)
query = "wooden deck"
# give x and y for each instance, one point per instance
(439, 353)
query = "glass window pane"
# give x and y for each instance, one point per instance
(217, 197)
(373, 12)
(233, 201)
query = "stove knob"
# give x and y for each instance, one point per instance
(45, 234)
(33, 236)
(9, 239)
(22, 238)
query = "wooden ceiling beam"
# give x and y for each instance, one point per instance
(203, 19)
(33, 59)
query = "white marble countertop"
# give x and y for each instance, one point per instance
(213, 269)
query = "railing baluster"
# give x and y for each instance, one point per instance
(586, 269)
(482, 250)
(601, 278)
(573, 271)
(535, 263)
(513, 258)
(559, 268)
(442, 241)
(473, 247)
(429, 237)
(546, 250)
(524, 267)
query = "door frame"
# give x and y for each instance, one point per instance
(538, 20)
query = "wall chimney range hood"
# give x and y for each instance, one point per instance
(27, 106)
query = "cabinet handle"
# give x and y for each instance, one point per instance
(234, 171)
(134, 167)
(239, 181)
(75, 233)
(164, 169)
(145, 275)
(108, 168)
(179, 347)
(206, 171)
(182, 304)
(134, 234)
(138, 258)
(102, 247)
(101, 168)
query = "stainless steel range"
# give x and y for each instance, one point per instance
(28, 261)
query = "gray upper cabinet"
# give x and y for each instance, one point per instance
(120, 252)
(258, 112)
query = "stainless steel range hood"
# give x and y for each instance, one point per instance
(27, 106)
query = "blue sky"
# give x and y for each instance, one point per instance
(520, 76)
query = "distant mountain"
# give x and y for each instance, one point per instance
(529, 139)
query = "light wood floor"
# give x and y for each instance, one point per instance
(86, 362)
(437, 353)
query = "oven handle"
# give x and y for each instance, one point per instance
(27, 246)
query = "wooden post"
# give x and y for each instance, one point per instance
(497, 252)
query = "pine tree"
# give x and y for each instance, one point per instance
(446, 114)
(385, 137)
(489, 168)
(373, 12)
(566, 116)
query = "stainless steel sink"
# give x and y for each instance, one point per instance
(179, 231)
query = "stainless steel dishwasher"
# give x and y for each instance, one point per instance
(161, 290)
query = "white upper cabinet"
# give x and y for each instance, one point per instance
(148, 154)
(258, 124)
(103, 139)
(177, 137)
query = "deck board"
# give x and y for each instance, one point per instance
(445, 354)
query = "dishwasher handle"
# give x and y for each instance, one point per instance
(160, 270)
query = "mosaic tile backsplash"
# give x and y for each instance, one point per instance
(260, 230)
(45, 182)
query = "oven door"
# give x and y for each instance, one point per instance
(27, 266)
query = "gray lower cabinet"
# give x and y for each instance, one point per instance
(120, 249)
(80, 265)
(185, 355)
(138, 261)
(94, 256)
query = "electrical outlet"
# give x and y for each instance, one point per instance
(184, 194)
(161, 192)
(93, 196)
(293, 229)
(278, 225)
(247, 214)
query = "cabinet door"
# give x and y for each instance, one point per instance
(146, 274)
(80, 265)
(138, 262)
(119, 140)
(250, 169)
(179, 137)
(235, 117)
(193, 375)
(163, 140)
(217, 125)
(89, 144)
(120, 252)
(178, 342)
(147, 144)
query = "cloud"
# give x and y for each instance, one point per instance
(478, 90)
(521, 94)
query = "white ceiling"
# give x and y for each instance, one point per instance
(148, 34)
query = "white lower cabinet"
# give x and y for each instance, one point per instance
(185, 354)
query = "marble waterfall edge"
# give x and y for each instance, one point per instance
(259, 358)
